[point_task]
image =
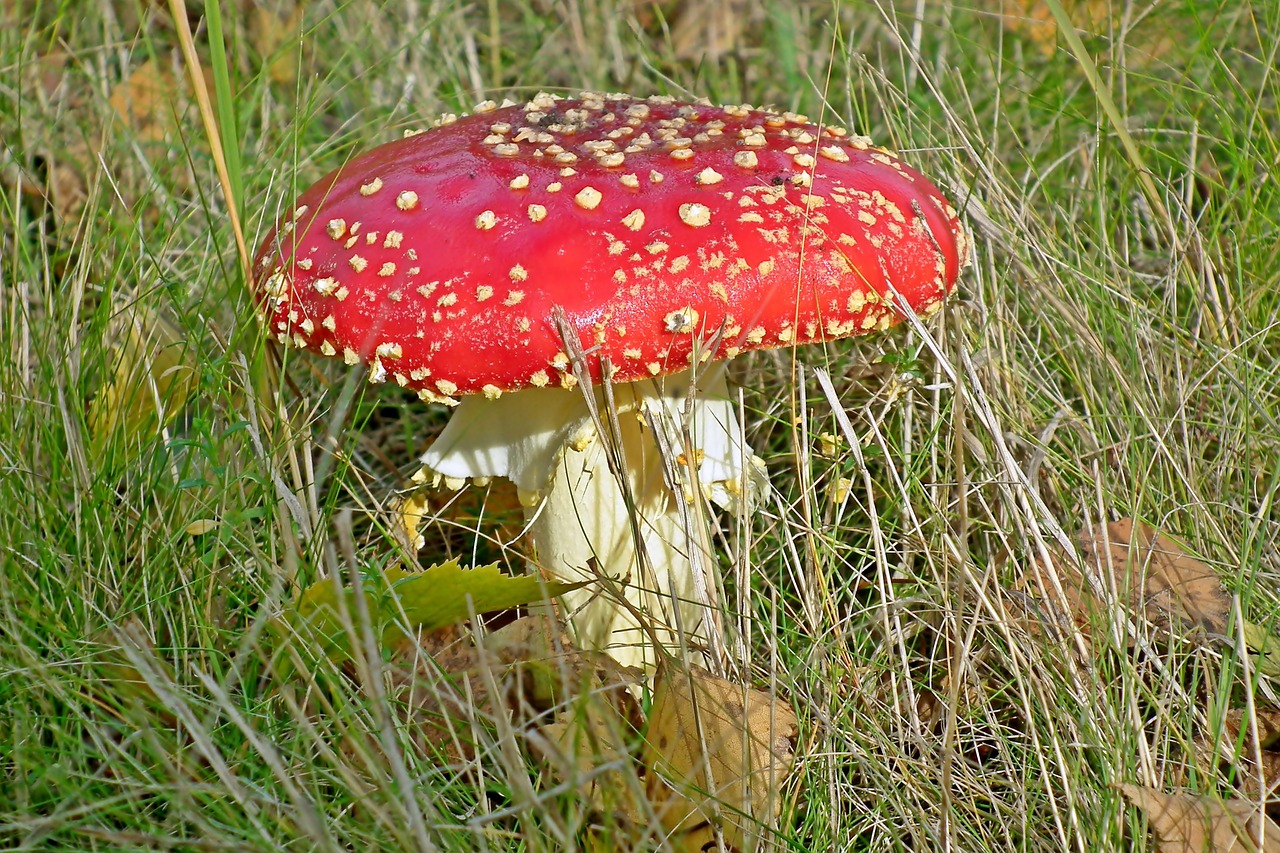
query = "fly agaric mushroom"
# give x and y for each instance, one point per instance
(666, 237)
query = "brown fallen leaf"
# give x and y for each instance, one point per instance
(433, 680)
(716, 755)
(1152, 575)
(54, 164)
(49, 72)
(1090, 18)
(1251, 766)
(1145, 41)
(151, 135)
(552, 672)
(594, 717)
(588, 747)
(67, 185)
(574, 707)
(1189, 823)
(1033, 19)
(706, 30)
(1238, 723)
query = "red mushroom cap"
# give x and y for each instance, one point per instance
(438, 258)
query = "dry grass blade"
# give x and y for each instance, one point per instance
(178, 8)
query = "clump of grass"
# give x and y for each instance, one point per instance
(1113, 351)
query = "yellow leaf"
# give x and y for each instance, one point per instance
(407, 513)
(1187, 823)
(717, 754)
(1265, 647)
(277, 41)
(200, 527)
(150, 379)
(1033, 19)
(151, 99)
(586, 747)
(447, 593)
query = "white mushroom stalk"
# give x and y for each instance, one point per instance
(644, 549)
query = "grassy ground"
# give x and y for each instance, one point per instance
(1112, 352)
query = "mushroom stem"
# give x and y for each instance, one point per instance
(650, 560)
(647, 548)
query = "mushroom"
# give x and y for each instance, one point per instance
(499, 263)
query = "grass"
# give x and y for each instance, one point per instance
(1113, 352)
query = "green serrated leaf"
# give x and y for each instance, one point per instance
(400, 602)
(446, 594)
